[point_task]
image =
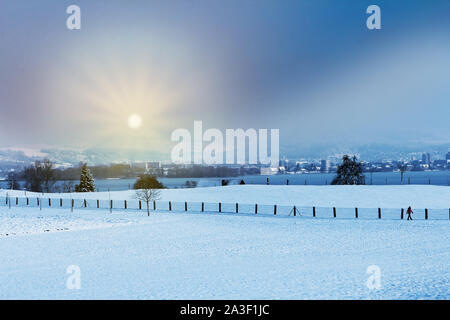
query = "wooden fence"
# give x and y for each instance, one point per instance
(229, 208)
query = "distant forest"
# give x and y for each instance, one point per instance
(126, 171)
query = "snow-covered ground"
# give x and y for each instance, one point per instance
(178, 255)
(417, 196)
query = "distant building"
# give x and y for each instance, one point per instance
(447, 157)
(439, 163)
(147, 166)
(284, 163)
(426, 158)
(325, 165)
(154, 165)
(267, 171)
(138, 165)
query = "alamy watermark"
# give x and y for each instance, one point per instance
(74, 280)
(73, 22)
(234, 150)
(374, 280)
(373, 22)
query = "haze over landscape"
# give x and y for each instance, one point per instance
(97, 202)
(314, 71)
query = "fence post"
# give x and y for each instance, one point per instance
(356, 213)
(220, 207)
(85, 203)
(334, 212)
(49, 202)
(37, 199)
(98, 204)
(237, 208)
(154, 205)
(379, 213)
(185, 206)
(314, 211)
(140, 205)
(60, 202)
(256, 209)
(203, 207)
(17, 201)
(401, 215)
(170, 205)
(110, 205)
(426, 214)
(28, 201)
(275, 210)
(72, 204)
(295, 211)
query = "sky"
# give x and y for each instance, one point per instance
(309, 68)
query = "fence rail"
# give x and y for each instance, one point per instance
(226, 208)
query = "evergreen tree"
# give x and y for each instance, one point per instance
(147, 181)
(86, 181)
(349, 172)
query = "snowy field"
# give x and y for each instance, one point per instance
(178, 255)
(417, 196)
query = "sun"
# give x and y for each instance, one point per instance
(134, 121)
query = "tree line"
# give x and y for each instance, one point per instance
(41, 176)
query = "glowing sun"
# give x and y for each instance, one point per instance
(134, 121)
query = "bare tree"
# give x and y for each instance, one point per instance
(402, 168)
(48, 175)
(67, 186)
(40, 176)
(32, 178)
(13, 184)
(148, 195)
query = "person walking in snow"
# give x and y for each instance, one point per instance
(409, 211)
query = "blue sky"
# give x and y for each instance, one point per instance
(310, 68)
